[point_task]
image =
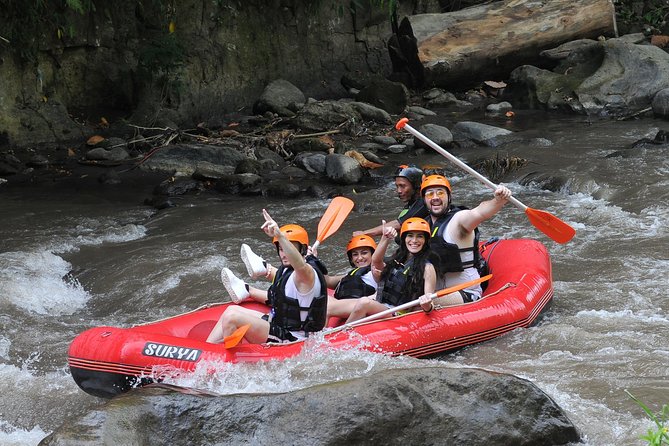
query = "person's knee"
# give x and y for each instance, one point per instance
(363, 304)
(232, 316)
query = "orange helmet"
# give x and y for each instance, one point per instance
(360, 241)
(415, 224)
(294, 233)
(435, 181)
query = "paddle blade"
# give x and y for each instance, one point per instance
(334, 216)
(550, 225)
(236, 336)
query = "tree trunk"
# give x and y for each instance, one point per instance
(487, 42)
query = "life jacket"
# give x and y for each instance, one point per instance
(286, 310)
(392, 289)
(450, 255)
(351, 286)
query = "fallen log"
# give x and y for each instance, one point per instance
(488, 41)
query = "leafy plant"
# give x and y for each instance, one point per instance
(29, 23)
(660, 435)
(650, 14)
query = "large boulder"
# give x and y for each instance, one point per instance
(392, 97)
(185, 159)
(280, 97)
(430, 405)
(609, 78)
(342, 169)
(318, 116)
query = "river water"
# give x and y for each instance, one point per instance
(71, 259)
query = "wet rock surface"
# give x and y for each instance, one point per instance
(430, 405)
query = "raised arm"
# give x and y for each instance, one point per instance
(378, 230)
(389, 233)
(305, 275)
(469, 219)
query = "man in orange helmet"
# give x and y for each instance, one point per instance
(407, 185)
(454, 236)
(297, 296)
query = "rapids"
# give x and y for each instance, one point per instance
(70, 260)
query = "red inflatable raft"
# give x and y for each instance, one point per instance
(106, 361)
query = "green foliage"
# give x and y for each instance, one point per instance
(651, 15)
(161, 56)
(31, 23)
(160, 62)
(660, 435)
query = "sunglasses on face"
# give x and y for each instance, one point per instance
(431, 193)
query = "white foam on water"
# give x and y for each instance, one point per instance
(5, 344)
(197, 266)
(14, 436)
(590, 416)
(318, 363)
(29, 398)
(92, 232)
(627, 316)
(36, 282)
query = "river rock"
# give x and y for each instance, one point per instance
(282, 189)
(102, 154)
(313, 144)
(660, 103)
(318, 116)
(610, 78)
(280, 97)
(311, 162)
(390, 96)
(9, 165)
(245, 183)
(436, 133)
(498, 108)
(385, 140)
(342, 169)
(420, 111)
(480, 133)
(186, 158)
(206, 171)
(430, 405)
(372, 113)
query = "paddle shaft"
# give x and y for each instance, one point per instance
(413, 303)
(460, 164)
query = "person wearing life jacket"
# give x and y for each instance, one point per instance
(454, 236)
(407, 276)
(358, 282)
(407, 185)
(297, 296)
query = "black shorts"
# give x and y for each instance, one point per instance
(278, 334)
(467, 297)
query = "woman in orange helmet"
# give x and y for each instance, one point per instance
(297, 296)
(358, 282)
(408, 275)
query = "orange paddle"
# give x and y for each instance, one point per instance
(413, 303)
(236, 336)
(333, 218)
(544, 221)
